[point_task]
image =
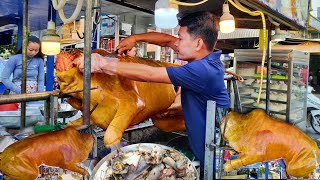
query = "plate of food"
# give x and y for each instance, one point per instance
(145, 161)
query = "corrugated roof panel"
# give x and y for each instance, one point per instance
(240, 33)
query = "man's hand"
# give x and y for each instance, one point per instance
(174, 110)
(99, 64)
(126, 44)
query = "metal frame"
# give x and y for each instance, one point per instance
(87, 64)
(288, 56)
(210, 142)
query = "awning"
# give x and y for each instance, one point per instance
(240, 33)
(306, 46)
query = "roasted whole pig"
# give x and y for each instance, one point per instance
(258, 138)
(65, 149)
(121, 102)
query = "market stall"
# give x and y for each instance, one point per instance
(289, 19)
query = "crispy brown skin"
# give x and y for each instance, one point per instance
(258, 138)
(64, 148)
(122, 102)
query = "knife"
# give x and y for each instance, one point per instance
(116, 53)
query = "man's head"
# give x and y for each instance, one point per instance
(197, 35)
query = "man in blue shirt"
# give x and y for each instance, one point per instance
(202, 79)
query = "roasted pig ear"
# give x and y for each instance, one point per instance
(64, 60)
(65, 149)
(259, 137)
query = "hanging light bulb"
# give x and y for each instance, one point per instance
(277, 37)
(50, 42)
(227, 23)
(166, 14)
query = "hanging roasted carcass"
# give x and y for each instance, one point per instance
(259, 137)
(65, 149)
(121, 102)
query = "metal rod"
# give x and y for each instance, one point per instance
(76, 91)
(17, 98)
(268, 60)
(87, 63)
(53, 110)
(24, 62)
(237, 99)
(210, 141)
(46, 109)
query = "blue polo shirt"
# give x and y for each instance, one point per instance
(200, 81)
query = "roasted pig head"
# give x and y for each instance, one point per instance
(259, 137)
(65, 149)
(121, 102)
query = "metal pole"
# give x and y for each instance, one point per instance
(269, 57)
(210, 142)
(24, 61)
(50, 59)
(53, 110)
(87, 63)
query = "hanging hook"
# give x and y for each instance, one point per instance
(96, 14)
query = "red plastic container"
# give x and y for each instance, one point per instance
(9, 107)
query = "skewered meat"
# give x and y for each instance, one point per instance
(259, 137)
(64, 148)
(121, 102)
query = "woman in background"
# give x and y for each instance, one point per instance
(35, 69)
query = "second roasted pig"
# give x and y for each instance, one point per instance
(259, 137)
(65, 149)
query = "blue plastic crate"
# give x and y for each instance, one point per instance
(2, 88)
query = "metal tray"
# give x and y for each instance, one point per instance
(65, 111)
(99, 169)
(11, 119)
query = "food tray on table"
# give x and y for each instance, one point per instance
(138, 161)
(11, 119)
(64, 111)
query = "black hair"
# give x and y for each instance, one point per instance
(33, 39)
(202, 24)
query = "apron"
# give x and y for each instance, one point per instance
(32, 86)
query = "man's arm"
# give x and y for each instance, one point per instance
(137, 72)
(134, 71)
(161, 39)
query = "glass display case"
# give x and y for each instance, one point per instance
(288, 83)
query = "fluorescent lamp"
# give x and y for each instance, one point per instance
(50, 42)
(166, 14)
(227, 23)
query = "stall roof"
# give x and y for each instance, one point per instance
(240, 33)
(38, 12)
(306, 45)
(243, 20)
